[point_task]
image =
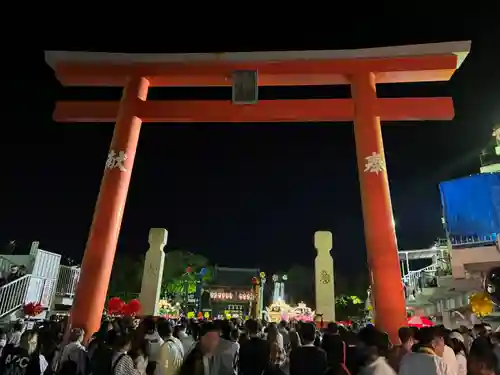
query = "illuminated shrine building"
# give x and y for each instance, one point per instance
(232, 292)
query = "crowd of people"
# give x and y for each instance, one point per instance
(127, 346)
(15, 272)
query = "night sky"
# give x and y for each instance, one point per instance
(241, 195)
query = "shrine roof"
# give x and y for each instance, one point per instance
(234, 277)
(458, 48)
(410, 63)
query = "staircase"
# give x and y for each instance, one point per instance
(415, 281)
(47, 283)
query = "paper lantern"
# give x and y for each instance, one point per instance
(481, 304)
(189, 269)
(133, 307)
(255, 281)
(492, 285)
(115, 306)
(32, 309)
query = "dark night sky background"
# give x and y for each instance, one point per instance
(241, 195)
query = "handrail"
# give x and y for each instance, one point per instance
(67, 281)
(412, 279)
(13, 295)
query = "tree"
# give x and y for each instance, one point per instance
(176, 262)
(126, 276)
(176, 279)
(348, 306)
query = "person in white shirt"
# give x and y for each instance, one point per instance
(171, 353)
(458, 346)
(153, 338)
(374, 344)
(428, 359)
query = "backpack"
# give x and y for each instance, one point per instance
(102, 361)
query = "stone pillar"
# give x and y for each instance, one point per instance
(324, 276)
(153, 271)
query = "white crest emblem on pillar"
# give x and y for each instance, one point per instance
(374, 163)
(116, 160)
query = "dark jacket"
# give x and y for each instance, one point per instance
(254, 357)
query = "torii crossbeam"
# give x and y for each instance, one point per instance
(361, 69)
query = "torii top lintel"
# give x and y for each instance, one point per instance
(411, 63)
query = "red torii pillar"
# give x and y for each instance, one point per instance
(361, 69)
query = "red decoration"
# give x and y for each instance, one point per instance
(115, 306)
(32, 309)
(189, 269)
(132, 308)
(255, 281)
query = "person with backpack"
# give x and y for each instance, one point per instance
(171, 352)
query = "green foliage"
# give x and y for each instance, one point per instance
(175, 277)
(348, 306)
(126, 276)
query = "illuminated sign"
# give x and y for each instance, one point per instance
(240, 296)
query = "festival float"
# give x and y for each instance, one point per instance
(169, 310)
(278, 311)
(302, 313)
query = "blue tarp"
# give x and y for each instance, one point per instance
(471, 205)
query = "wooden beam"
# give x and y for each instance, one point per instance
(308, 110)
(271, 73)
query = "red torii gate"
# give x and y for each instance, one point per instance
(362, 69)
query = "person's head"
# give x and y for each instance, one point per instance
(3, 339)
(406, 337)
(272, 332)
(482, 363)
(17, 327)
(283, 324)
(209, 338)
(234, 335)
(165, 329)
(432, 338)
(252, 326)
(479, 330)
(122, 342)
(294, 339)
(332, 328)
(14, 269)
(149, 325)
(29, 341)
(225, 328)
(308, 333)
(457, 342)
(76, 335)
(373, 343)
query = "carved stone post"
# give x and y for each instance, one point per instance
(324, 276)
(153, 271)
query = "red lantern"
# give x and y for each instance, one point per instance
(32, 309)
(115, 306)
(189, 269)
(255, 281)
(134, 307)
